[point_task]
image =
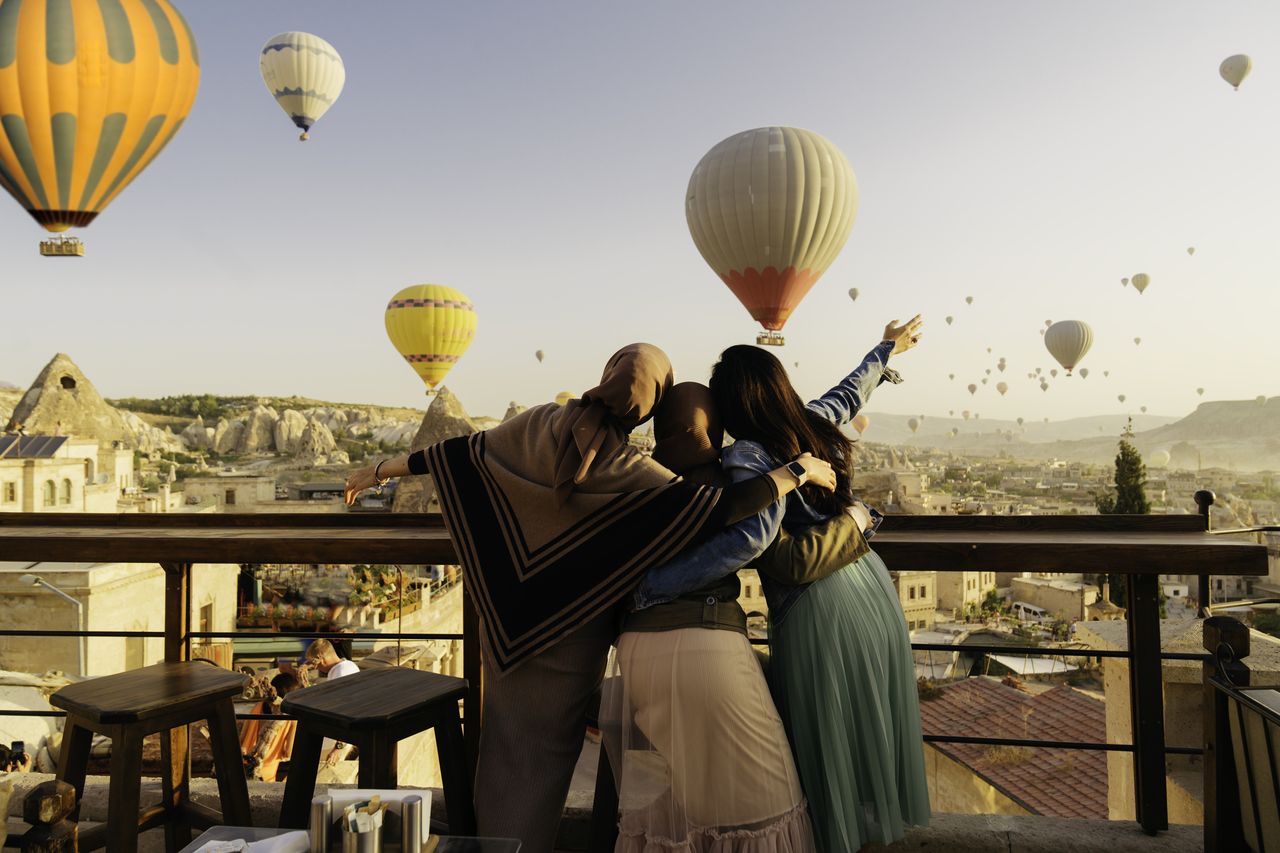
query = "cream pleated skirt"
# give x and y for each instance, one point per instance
(705, 764)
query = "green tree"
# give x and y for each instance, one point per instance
(1130, 493)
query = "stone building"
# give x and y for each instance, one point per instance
(114, 597)
(231, 492)
(957, 591)
(917, 592)
(1061, 599)
(58, 473)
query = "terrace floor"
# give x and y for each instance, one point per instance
(949, 833)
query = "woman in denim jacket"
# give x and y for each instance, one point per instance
(842, 672)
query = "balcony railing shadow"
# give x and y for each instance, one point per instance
(1139, 547)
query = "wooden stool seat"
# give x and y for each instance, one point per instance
(374, 710)
(164, 697)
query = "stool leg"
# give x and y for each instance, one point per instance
(295, 810)
(175, 784)
(228, 766)
(378, 767)
(73, 758)
(455, 775)
(604, 809)
(126, 785)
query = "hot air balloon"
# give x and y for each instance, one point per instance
(1261, 399)
(304, 74)
(951, 376)
(432, 326)
(1158, 458)
(1002, 387)
(1142, 409)
(853, 294)
(90, 93)
(860, 423)
(1068, 341)
(1038, 369)
(1200, 392)
(1137, 341)
(968, 300)
(1019, 421)
(1235, 68)
(1048, 323)
(988, 350)
(1124, 282)
(1106, 373)
(1084, 373)
(1140, 281)
(1120, 397)
(913, 424)
(564, 397)
(1046, 420)
(973, 389)
(988, 371)
(965, 414)
(954, 432)
(539, 355)
(797, 364)
(769, 209)
(1191, 250)
(951, 412)
(1054, 373)
(1044, 386)
(985, 380)
(950, 319)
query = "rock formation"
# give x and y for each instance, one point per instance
(445, 418)
(316, 444)
(512, 410)
(288, 431)
(258, 435)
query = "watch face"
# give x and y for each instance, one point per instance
(796, 468)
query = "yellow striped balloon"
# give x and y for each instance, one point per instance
(305, 74)
(90, 92)
(431, 325)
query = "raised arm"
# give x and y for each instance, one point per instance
(842, 402)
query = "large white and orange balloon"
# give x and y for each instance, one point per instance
(770, 209)
(1068, 341)
(431, 326)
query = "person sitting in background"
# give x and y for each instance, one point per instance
(322, 657)
(268, 757)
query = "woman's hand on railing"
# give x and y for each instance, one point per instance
(357, 481)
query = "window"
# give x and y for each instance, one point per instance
(230, 497)
(912, 590)
(206, 617)
(51, 494)
(10, 494)
(66, 491)
(924, 591)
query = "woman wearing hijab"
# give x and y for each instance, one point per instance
(703, 759)
(555, 519)
(841, 667)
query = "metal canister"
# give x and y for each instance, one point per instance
(321, 820)
(411, 824)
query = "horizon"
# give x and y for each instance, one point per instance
(1028, 156)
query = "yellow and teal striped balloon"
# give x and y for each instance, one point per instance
(90, 92)
(304, 74)
(431, 325)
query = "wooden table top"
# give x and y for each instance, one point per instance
(1068, 544)
(149, 691)
(374, 697)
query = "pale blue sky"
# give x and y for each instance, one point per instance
(535, 156)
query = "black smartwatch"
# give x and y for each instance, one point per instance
(797, 469)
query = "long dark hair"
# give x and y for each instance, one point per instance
(757, 402)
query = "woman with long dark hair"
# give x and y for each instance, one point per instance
(841, 669)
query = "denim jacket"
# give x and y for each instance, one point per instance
(736, 546)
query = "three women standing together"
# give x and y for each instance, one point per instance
(560, 524)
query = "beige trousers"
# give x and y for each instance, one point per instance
(534, 724)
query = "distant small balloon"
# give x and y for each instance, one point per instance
(951, 376)
(1038, 369)
(950, 319)
(1142, 409)
(1261, 399)
(539, 355)
(913, 424)
(1019, 421)
(1120, 397)
(853, 294)
(1106, 373)
(1140, 281)
(973, 389)
(1054, 373)
(1001, 366)
(988, 371)
(1191, 250)
(968, 300)
(954, 432)
(1048, 323)
(1003, 388)
(1124, 282)
(965, 414)
(1044, 386)
(988, 350)
(951, 412)
(1046, 420)
(985, 380)
(860, 423)
(1084, 373)
(1137, 341)
(1235, 68)
(1200, 392)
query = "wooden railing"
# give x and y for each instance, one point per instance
(1139, 547)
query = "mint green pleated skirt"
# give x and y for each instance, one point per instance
(843, 679)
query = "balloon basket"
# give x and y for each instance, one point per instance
(770, 339)
(62, 247)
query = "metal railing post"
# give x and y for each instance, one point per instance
(1227, 640)
(1146, 703)
(1204, 500)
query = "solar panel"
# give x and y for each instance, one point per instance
(31, 446)
(6, 442)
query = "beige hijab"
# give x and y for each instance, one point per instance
(596, 426)
(688, 434)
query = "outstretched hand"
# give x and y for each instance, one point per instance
(906, 336)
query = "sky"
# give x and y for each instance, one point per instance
(535, 156)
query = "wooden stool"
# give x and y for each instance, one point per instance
(374, 710)
(128, 707)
